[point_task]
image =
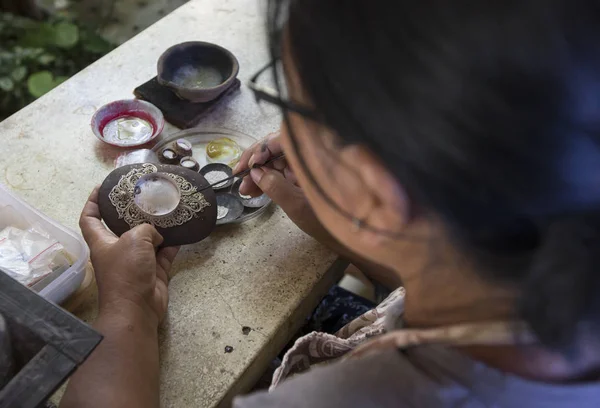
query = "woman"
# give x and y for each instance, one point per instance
(453, 143)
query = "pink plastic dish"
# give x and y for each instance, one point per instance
(128, 123)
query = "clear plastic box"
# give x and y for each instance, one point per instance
(66, 283)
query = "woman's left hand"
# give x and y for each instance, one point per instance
(132, 274)
(123, 371)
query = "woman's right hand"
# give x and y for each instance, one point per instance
(277, 180)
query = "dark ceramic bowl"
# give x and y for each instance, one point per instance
(197, 71)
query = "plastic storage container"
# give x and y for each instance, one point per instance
(67, 282)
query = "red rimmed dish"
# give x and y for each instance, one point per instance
(128, 123)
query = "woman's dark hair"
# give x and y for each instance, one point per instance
(488, 114)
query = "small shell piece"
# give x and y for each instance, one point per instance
(189, 163)
(168, 156)
(182, 147)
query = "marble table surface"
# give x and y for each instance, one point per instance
(265, 275)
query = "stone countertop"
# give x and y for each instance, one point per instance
(247, 286)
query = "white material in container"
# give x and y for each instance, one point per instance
(67, 282)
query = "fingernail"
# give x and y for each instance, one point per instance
(251, 161)
(257, 175)
(242, 187)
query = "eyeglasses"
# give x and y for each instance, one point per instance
(270, 95)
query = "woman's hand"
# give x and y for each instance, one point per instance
(132, 279)
(277, 180)
(131, 274)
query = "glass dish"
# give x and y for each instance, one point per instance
(199, 138)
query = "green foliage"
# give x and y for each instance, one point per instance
(36, 56)
(40, 83)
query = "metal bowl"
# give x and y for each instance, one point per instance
(251, 202)
(209, 168)
(234, 207)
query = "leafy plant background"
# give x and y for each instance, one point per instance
(36, 56)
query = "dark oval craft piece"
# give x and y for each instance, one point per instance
(193, 231)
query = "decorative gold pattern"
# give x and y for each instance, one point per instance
(121, 196)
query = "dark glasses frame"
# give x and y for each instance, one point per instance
(269, 95)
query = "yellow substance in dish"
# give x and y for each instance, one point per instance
(223, 150)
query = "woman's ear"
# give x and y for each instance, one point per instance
(385, 205)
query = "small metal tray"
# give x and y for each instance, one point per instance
(199, 138)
